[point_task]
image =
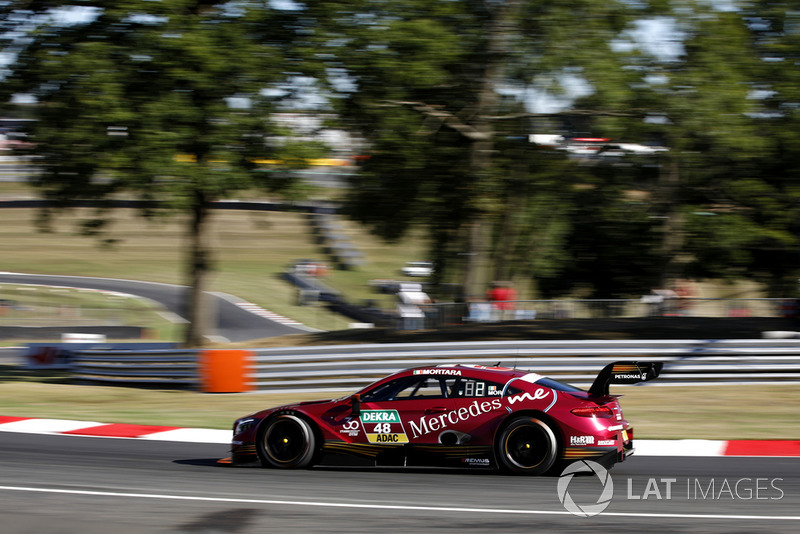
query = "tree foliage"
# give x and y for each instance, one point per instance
(434, 87)
(720, 203)
(167, 101)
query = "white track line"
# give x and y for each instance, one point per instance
(363, 506)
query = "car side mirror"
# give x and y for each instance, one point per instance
(355, 400)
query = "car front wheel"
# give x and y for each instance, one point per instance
(286, 441)
(527, 446)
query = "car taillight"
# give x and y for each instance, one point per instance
(603, 412)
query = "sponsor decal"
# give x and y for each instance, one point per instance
(380, 416)
(449, 372)
(387, 438)
(627, 376)
(351, 428)
(539, 394)
(428, 424)
(581, 440)
(606, 442)
(476, 461)
(383, 426)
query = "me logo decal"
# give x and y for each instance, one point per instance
(539, 394)
(586, 510)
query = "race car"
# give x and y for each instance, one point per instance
(505, 418)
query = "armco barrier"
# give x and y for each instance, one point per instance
(143, 367)
(347, 367)
(211, 371)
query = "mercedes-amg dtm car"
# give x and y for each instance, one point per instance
(459, 415)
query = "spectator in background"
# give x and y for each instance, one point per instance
(410, 298)
(503, 297)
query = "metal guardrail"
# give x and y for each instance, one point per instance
(156, 367)
(349, 367)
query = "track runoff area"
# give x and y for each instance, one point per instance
(571, 493)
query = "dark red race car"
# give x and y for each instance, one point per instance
(460, 415)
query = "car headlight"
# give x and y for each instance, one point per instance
(242, 425)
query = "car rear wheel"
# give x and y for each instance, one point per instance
(286, 441)
(527, 445)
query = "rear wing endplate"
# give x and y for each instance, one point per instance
(624, 373)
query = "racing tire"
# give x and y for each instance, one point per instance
(286, 441)
(528, 446)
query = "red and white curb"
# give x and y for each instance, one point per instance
(113, 430)
(644, 447)
(708, 447)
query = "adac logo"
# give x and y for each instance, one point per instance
(586, 510)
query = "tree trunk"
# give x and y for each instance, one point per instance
(198, 268)
(482, 147)
(674, 223)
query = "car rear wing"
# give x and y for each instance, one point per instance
(624, 373)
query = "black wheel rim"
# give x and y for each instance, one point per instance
(526, 447)
(285, 441)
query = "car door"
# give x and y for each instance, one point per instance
(402, 413)
(478, 409)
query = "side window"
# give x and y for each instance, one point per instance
(384, 392)
(410, 387)
(423, 388)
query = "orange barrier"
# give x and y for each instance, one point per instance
(224, 371)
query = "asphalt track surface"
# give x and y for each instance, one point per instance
(66, 484)
(232, 322)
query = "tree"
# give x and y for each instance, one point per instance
(166, 101)
(435, 89)
(724, 192)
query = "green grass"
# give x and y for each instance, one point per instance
(251, 250)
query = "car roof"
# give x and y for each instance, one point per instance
(458, 369)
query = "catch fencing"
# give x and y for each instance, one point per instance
(442, 314)
(350, 367)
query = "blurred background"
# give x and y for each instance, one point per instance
(619, 155)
